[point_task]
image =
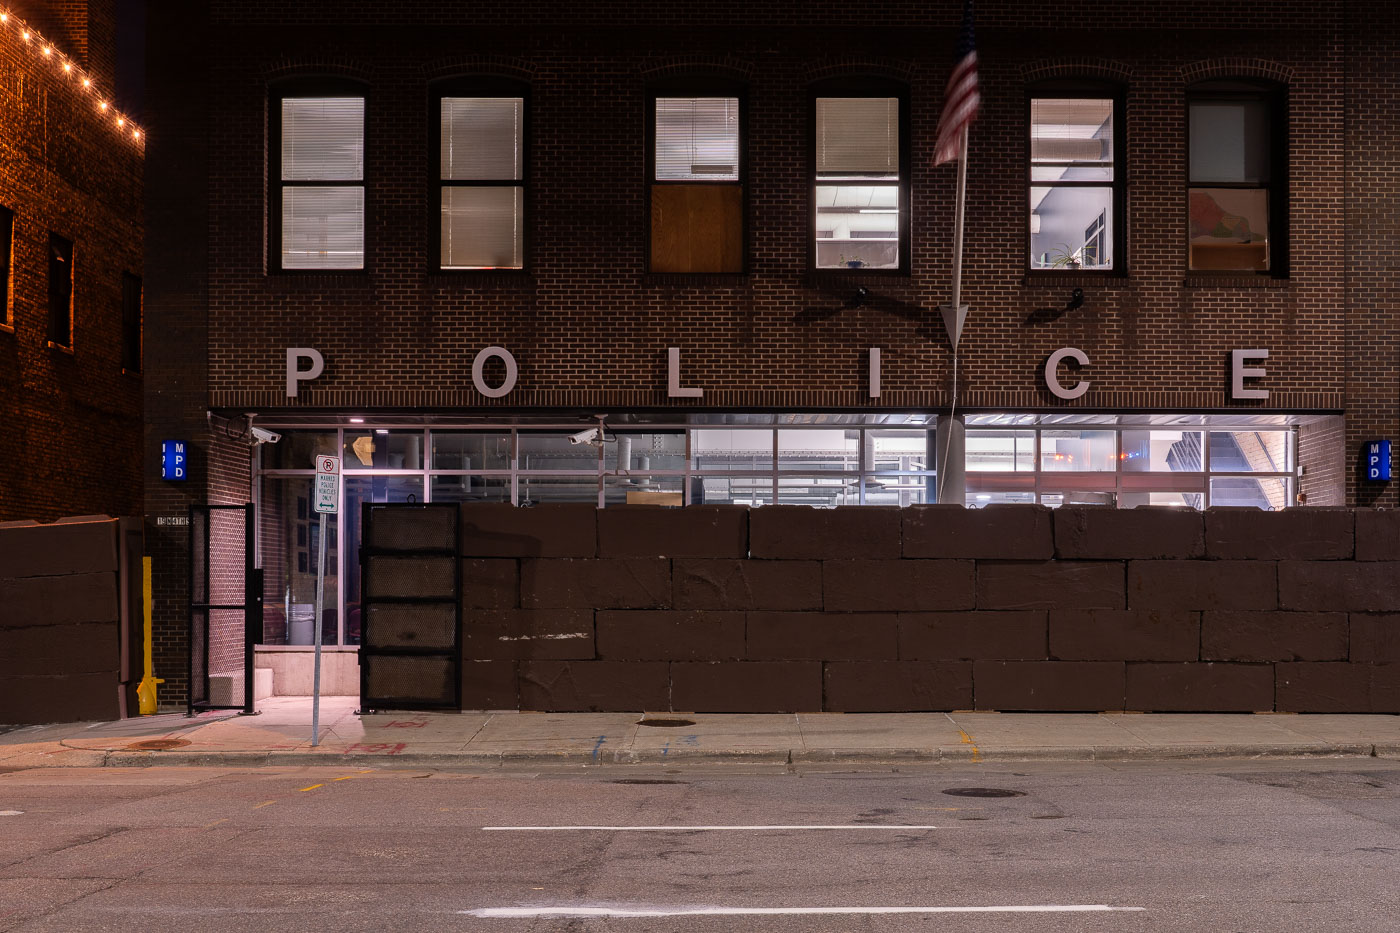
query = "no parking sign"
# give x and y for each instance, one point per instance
(327, 484)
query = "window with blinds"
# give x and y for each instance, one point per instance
(697, 192)
(858, 150)
(481, 182)
(322, 174)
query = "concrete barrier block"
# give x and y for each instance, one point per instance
(748, 584)
(897, 686)
(1040, 686)
(822, 636)
(671, 635)
(802, 532)
(1199, 584)
(490, 685)
(64, 600)
(747, 686)
(60, 549)
(996, 532)
(1238, 532)
(890, 585)
(1362, 586)
(1273, 636)
(520, 634)
(1125, 635)
(580, 583)
(494, 529)
(973, 636)
(84, 648)
(1200, 687)
(1385, 688)
(1378, 534)
(1375, 638)
(657, 531)
(594, 686)
(1109, 533)
(490, 583)
(1322, 687)
(1059, 584)
(31, 699)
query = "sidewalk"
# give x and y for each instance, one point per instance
(281, 735)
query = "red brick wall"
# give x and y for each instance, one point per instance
(787, 608)
(72, 419)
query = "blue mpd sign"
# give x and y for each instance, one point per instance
(172, 460)
(1378, 460)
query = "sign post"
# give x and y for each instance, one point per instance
(327, 496)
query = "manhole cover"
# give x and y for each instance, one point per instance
(983, 792)
(647, 781)
(666, 723)
(158, 745)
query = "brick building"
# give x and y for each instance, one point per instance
(535, 253)
(70, 267)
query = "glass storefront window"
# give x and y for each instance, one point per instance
(359, 490)
(900, 490)
(645, 451)
(818, 449)
(289, 542)
(540, 450)
(898, 451)
(1000, 450)
(731, 449)
(537, 489)
(1077, 451)
(824, 492)
(298, 449)
(644, 490)
(1250, 452)
(471, 450)
(1264, 492)
(1078, 497)
(471, 488)
(975, 500)
(1162, 451)
(383, 449)
(732, 490)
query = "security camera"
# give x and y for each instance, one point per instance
(587, 436)
(263, 436)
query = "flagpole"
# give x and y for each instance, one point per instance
(952, 480)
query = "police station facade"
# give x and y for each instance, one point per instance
(695, 257)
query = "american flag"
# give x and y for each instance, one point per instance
(961, 99)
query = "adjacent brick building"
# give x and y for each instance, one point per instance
(533, 252)
(71, 226)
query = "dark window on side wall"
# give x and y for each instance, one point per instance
(861, 176)
(1237, 194)
(697, 179)
(480, 177)
(60, 291)
(131, 322)
(318, 173)
(7, 236)
(1076, 180)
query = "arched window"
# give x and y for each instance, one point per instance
(1076, 178)
(317, 154)
(480, 173)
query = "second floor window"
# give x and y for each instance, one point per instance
(7, 232)
(481, 182)
(320, 182)
(1075, 183)
(60, 292)
(131, 323)
(697, 191)
(860, 194)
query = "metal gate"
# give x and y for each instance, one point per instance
(226, 607)
(411, 623)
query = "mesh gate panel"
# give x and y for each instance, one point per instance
(223, 607)
(409, 657)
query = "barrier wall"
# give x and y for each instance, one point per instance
(793, 609)
(70, 609)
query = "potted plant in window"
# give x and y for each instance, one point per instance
(1062, 257)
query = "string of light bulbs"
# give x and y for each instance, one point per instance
(28, 36)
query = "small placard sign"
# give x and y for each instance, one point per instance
(327, 484)
(1378, 460)
(172, 460)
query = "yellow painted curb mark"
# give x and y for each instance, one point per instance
(967, 740)
(215, 823)
(313, 787)
(265, 803)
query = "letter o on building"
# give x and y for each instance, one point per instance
(1052, 379)
(479, 366)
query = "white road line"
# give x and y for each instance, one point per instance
(691, 829)
(541, 912)
(11, 812)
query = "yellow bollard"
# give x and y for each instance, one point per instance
(146, 690)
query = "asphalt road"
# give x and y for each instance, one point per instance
(1249, 846)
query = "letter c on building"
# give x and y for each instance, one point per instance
(1052, 379)
(479, 365)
